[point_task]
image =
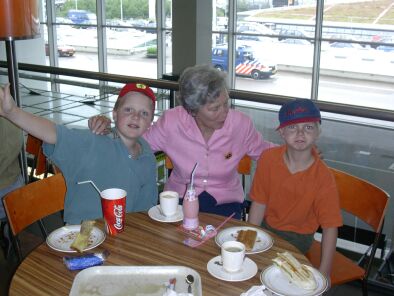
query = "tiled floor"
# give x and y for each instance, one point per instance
(66, 109)
(74, 111)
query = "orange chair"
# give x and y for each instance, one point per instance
(33, 146)
(31, 203)
(368, 203)
(40, 163)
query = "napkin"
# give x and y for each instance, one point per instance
(255, 291)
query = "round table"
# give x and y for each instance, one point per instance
(144, 242)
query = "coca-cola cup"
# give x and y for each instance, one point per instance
(113, 203)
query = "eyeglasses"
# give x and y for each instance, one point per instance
(306, 128)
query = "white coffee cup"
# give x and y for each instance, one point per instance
(169, 201)
(233, 255)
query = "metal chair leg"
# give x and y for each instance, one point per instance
(364, 285)
(17, 247)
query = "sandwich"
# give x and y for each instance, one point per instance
(248, 238)
(297, 273)
(81, 241)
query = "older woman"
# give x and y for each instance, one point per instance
(205, 130)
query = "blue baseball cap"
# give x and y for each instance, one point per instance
(297, 111)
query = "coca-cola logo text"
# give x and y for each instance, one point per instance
(118, 213)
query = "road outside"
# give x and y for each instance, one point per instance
(333, 89)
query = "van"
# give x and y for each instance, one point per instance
(82, 17)
(245, 63)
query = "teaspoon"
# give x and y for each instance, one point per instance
(189, 281)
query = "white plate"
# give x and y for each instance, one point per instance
(277, 282)
(263, 240)
(248, 270)
(155, 214)
(133, 280)
(61, 239)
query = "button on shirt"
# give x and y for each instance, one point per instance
(177, 134)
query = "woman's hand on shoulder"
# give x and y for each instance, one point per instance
(99, 124)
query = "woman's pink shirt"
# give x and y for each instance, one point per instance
(177, 134)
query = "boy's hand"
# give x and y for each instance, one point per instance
(99, 125)
(7, 104)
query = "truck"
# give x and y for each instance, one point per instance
(82, 17)
(245, 63)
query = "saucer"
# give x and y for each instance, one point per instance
(248, 270)
(62, 238)
(156, 214)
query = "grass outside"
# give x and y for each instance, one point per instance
(360, 12)
(388, 18)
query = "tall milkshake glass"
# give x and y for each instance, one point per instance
(190, 209)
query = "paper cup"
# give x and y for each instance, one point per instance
(233, 255)
(169, 201)
(113, 203)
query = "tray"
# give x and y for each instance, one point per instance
(133, 280)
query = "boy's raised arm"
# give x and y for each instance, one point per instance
(34, 125)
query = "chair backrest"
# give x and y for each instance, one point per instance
(33, 146)
(244, 165)
(361, 199)
(34, 201)
(40, 165)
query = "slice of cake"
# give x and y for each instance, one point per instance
(248, 238)
(82, 239)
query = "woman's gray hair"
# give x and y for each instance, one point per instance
(199, 85)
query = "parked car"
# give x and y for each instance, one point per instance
(147, 26)
(62, 50)
(252, 37)
(296, 41)
(117, 25)
(387, 47)
(243, 27)
(346, 45)
(246, 64)
(290, 33)
(63, 20)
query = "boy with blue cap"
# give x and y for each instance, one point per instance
(293, 191)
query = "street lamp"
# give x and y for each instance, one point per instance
(121, 10)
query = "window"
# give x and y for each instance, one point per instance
(355, 62)
(130, 31)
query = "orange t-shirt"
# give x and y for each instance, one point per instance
(299, 202)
